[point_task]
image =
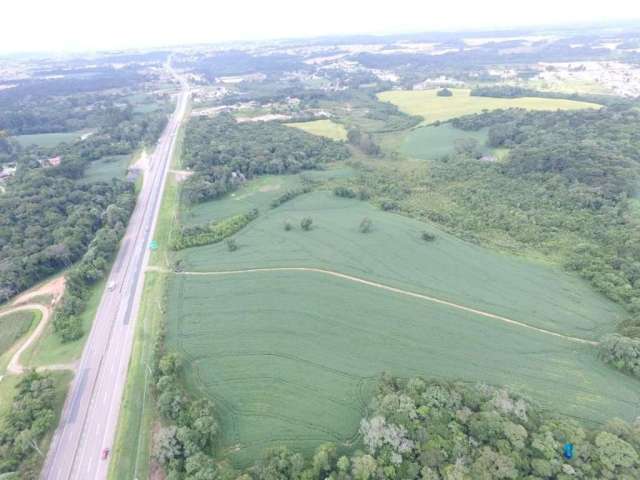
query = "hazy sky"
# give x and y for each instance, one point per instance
(38, 25)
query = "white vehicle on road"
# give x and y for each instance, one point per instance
(112, 286)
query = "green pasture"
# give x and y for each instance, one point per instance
(14, 325)
(323, 128)
(257, 193)
(432, 107)
(292, 357)
(49, 139)
(107, 168)
(49, 349)
(432, 141)
(393, 253)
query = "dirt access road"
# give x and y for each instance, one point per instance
(54, 289)
(389, 288)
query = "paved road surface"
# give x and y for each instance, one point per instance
(90, 414)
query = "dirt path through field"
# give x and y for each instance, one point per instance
(54, 288)
(395, 290)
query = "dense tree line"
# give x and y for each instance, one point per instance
(121, 132)
(30, 416)
(290, 195)
(64, 104)
(223, 152)
(185, 443)
(46, 224)
(94, 264)
(512, 91)
(235, 62)
(213, 232)
(598, 148)
(364, 142)
(48, 217)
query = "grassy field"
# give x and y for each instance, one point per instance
(432, 142)
(14, 325)
(106, 168)
(257, 193)
(432, 107)
(49, 139)
(291, 357)
(323, 128)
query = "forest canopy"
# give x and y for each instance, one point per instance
(223, 152)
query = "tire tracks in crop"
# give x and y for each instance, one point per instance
(399, 291)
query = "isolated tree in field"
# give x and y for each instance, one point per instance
(365, 225)
(232, 246)
(287, 226)
(306, 223)
(444, 92)
(428, 237)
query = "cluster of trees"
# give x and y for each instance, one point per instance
(30, 416)
(363, 141)
(213, 232)
(596, 148)
(94, 264)
(444, 92)
(65, 104)
(47, 222)
(223, 153)
(49, 216)
(236, 62)
(437, 430)
(415, 429)
(290, 195)
(345, 191)
(121, 132)
(8, 148)
(186, 440)
(623, 352)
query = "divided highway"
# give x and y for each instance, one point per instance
(90, 414)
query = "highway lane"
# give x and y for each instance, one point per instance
(90, 414)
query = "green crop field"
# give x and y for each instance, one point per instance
(49, 139)
(432, 107)
(13, 326)
(394, 254)
(324, 128)
(291, 357)
(431, 142)
(106, 168)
